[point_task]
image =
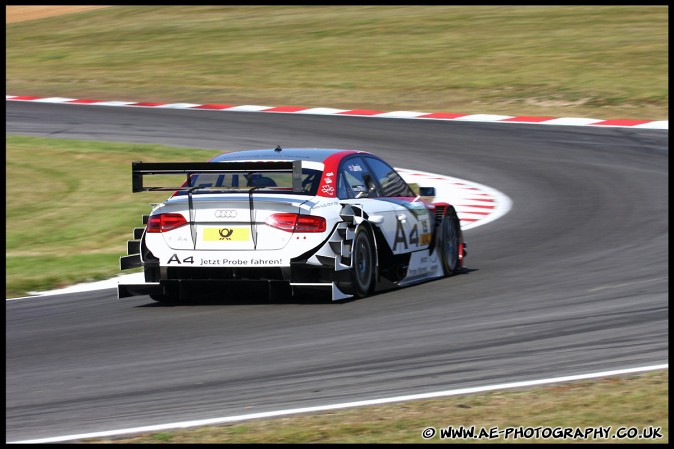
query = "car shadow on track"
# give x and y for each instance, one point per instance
(311, 297)
(242, 299)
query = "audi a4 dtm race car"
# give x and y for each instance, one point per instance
(277, 222)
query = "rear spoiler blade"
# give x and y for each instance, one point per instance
(140, 169)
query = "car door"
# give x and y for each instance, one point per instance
(356, 186)
(413, 229)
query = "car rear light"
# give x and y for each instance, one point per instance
(297, 222)
(310, 223)
(165, 222)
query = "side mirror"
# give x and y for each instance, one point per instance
(426, 191)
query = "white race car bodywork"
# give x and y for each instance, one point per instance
(218, 243)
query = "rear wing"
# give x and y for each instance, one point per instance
(140, 169)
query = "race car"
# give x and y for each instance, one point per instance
(279, 222)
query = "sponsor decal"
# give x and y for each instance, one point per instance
(236, 234)
(327, 188)
(400, 236)
(253, 261)
(425, 237)
(332, 203)
(414, 238)
(175, 259)
(175, 238)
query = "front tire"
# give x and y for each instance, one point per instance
(450, 244)
(363, 266)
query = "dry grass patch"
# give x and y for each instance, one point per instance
(22, 13)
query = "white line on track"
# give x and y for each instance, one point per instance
(322, 408)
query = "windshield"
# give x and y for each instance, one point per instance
(268, 181)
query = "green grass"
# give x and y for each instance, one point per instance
(639, 401)
(579, 61)
(70, 209)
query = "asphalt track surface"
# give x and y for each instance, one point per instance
(573, 280)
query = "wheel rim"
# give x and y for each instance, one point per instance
(363, 266)
(450, 244)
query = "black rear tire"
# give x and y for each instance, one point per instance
(363, 266)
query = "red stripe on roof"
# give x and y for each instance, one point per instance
(526, 118)
(360, 112)
(285, 109)
(25, 97)
(621, 122)
(330, 165)
(442, 115)
(214, 106)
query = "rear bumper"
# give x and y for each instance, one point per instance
(196, 289)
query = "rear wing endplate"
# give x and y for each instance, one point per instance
(140, 169)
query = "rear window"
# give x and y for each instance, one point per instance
(268, 181)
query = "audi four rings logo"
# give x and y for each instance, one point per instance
(225, 213)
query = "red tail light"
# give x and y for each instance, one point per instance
(297, 222)
(165, 222)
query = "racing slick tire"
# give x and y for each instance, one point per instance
(449, 243)
(363, 265)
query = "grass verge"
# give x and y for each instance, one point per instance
(636, 402)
